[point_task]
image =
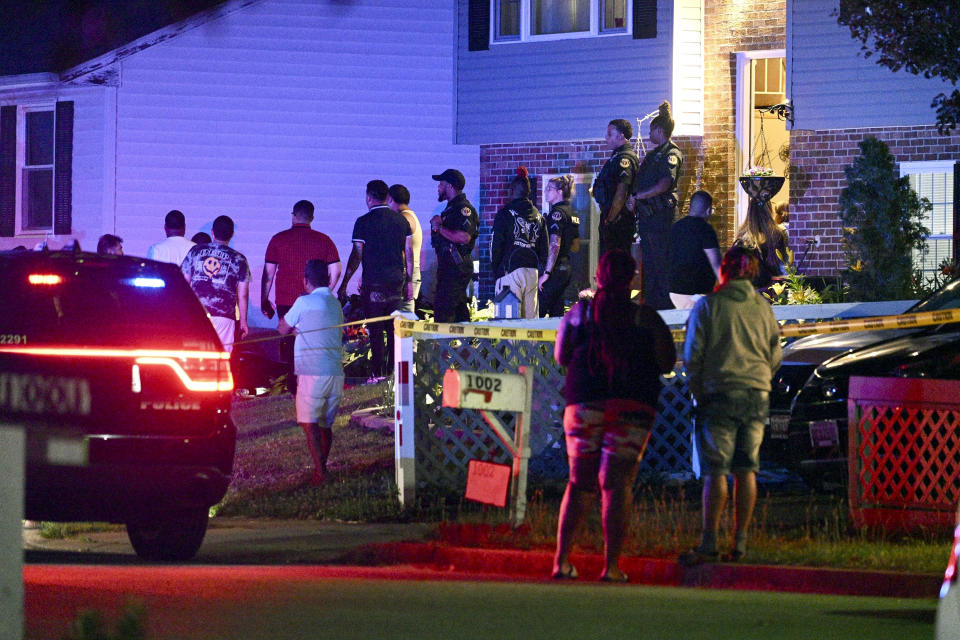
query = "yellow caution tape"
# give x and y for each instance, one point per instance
(484, 330)
(874, 323)
(477, 330)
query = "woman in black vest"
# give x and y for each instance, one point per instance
(614, 351)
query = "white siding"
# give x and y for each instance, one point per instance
(560, 89)
(833, 86)
(88, 220)
(285, 100)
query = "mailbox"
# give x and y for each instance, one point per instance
(490, 391)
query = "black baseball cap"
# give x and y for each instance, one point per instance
(453, 177)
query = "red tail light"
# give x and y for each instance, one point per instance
(197, 370)
(44, 279)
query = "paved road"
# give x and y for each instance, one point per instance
(232, 541)
(289, 603)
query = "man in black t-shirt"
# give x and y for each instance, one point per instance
(383, 245)
(694, 253)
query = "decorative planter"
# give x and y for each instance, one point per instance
(762, 188)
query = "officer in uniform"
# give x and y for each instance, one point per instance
(452, 235)
(612, 187)
(564, 229)
(655, 205)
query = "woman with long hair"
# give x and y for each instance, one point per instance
(564, 232)
(761, 233)
(614, 351)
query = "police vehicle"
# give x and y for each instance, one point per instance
(123, 387)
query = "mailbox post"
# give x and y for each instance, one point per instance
(12, 447)
(489, 392)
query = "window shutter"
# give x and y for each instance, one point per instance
(644, 19)
(478, 20)
(63, 169)
(8, 171)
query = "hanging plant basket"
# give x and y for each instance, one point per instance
(762, 188)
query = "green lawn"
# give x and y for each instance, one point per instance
(273, 467)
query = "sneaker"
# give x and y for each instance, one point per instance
(696, 557)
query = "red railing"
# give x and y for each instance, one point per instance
(904, 452)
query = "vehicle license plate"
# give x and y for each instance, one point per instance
(823, 433)
(779, 425)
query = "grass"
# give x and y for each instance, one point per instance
(273, 468)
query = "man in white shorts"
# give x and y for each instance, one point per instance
(318, 361)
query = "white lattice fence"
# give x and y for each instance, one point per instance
(446, 439)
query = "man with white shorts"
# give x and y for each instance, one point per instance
(318, 361)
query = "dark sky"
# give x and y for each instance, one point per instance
(54, 35)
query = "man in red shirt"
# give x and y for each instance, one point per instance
(285, 261)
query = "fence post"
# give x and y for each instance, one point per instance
(404, 414)
(12, 450)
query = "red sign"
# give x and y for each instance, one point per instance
(487, 482)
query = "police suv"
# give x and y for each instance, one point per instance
(113, 369)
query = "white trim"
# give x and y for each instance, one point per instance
(49, 105)
(742, 97)
(927, 166)
(31, 81)
(688, 110)
(157, 37)
(526, 36)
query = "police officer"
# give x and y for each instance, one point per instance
(453, 234)
(612, 188)
(564, 230)
(655, 205)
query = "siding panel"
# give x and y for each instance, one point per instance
(285, 100)
(833, 86)
(560, 89)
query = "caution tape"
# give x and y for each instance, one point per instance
(874, 323)
(483, 330)
(476, 330)
(334, 326)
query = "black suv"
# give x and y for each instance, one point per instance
(808, 404)
(124, 389)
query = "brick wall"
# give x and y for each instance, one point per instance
(817, 163)
(709, 162)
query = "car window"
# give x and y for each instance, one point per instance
(948, 297)
(97, 305)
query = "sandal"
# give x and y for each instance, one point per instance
(622, 579)
(569, 574)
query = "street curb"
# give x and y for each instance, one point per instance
(658, 572)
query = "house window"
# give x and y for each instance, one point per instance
(934, 181)
(36, 175)
(526, 20)
(36, 169)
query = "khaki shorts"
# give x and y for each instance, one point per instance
(616, 427)
(318, 398)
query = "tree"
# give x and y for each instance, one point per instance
(883, 225)
(919, 36)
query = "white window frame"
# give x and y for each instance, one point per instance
(930, 166)
(525, 35)
(20, 197)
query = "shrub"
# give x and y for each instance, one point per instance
(883, 225)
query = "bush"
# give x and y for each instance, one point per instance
(882, 226)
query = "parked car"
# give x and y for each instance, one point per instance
(117, 356)
(808, 411)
